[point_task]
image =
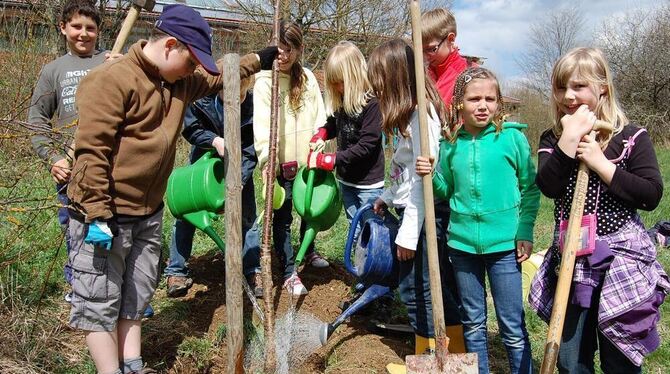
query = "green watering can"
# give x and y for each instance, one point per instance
(196, 194)
(317, 200)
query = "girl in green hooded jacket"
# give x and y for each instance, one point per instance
(486, 173)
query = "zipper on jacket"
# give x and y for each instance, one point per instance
(166, 145)
(473, 191)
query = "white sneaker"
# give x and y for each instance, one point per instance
(294, 285)
(316, 260)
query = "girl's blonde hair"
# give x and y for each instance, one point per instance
(590, 65)
(345, 64)
(455, 120)
(391, 74)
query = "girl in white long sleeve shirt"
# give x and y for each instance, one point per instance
(391, 73)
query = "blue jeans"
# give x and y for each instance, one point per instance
(414, 287)
(579, 343)
(353, 198)
(183, 232)
(64, 220)
(504, 274)
(281, 230)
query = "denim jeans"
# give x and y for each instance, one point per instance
(183, 232)
(281, 230)
(579, 343)
(414, 287)
(353, 198)
(64, 220)
(504, 274)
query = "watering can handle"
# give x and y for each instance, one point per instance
(350, 239)
(206, 156)
(309, 191)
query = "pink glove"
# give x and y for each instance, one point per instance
(323, 161)
(318, 141)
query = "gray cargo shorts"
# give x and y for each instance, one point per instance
(109, 285)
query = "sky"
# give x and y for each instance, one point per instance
(498, 29)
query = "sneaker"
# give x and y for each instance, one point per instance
(148, 312)
(294, 285)
(316, 260)
(256, 283)
(177, 286)
(68, 297)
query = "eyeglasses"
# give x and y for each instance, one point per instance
(433, 50)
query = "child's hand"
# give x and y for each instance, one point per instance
(524, 249)
(112, 56)
(379, 207)
(424, 165)
(576, 125)
(590, 153)
(404, 254)
(318, 141)
(323, 161)
(220, 145)
(60, 171)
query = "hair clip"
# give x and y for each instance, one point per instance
(467, 78)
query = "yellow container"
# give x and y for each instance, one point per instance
(528, 270)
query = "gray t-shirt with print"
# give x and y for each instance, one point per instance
(55, 94)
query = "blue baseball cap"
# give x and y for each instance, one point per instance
(188, 26)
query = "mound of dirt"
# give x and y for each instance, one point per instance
(352, 348)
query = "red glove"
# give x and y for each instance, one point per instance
(323, 161)
(318, 141)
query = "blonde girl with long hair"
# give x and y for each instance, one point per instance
(354, 119)
(618, 285)
(391, 73)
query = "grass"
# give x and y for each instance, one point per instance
(199, 350)
(33, 317)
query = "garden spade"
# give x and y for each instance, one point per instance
(442, 361)
(572, 242)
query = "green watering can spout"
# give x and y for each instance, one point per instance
(317, 200)
(203, 221)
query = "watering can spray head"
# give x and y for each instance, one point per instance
(325, 331)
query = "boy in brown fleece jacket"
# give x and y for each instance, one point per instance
(130, 115)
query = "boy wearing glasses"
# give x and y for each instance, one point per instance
(445, 64)
(130, 117)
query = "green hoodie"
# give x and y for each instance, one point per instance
(495, 200)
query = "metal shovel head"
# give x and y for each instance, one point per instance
(465, 363)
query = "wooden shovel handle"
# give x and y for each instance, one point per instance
(572, 242)
(603, 126)
(441, 340)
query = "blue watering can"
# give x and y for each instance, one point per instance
(376, 265)
(374, 257)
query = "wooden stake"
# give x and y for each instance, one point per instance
(233, 164)
(441, 340)
(269, 178)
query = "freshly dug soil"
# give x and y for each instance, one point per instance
(351, 349)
